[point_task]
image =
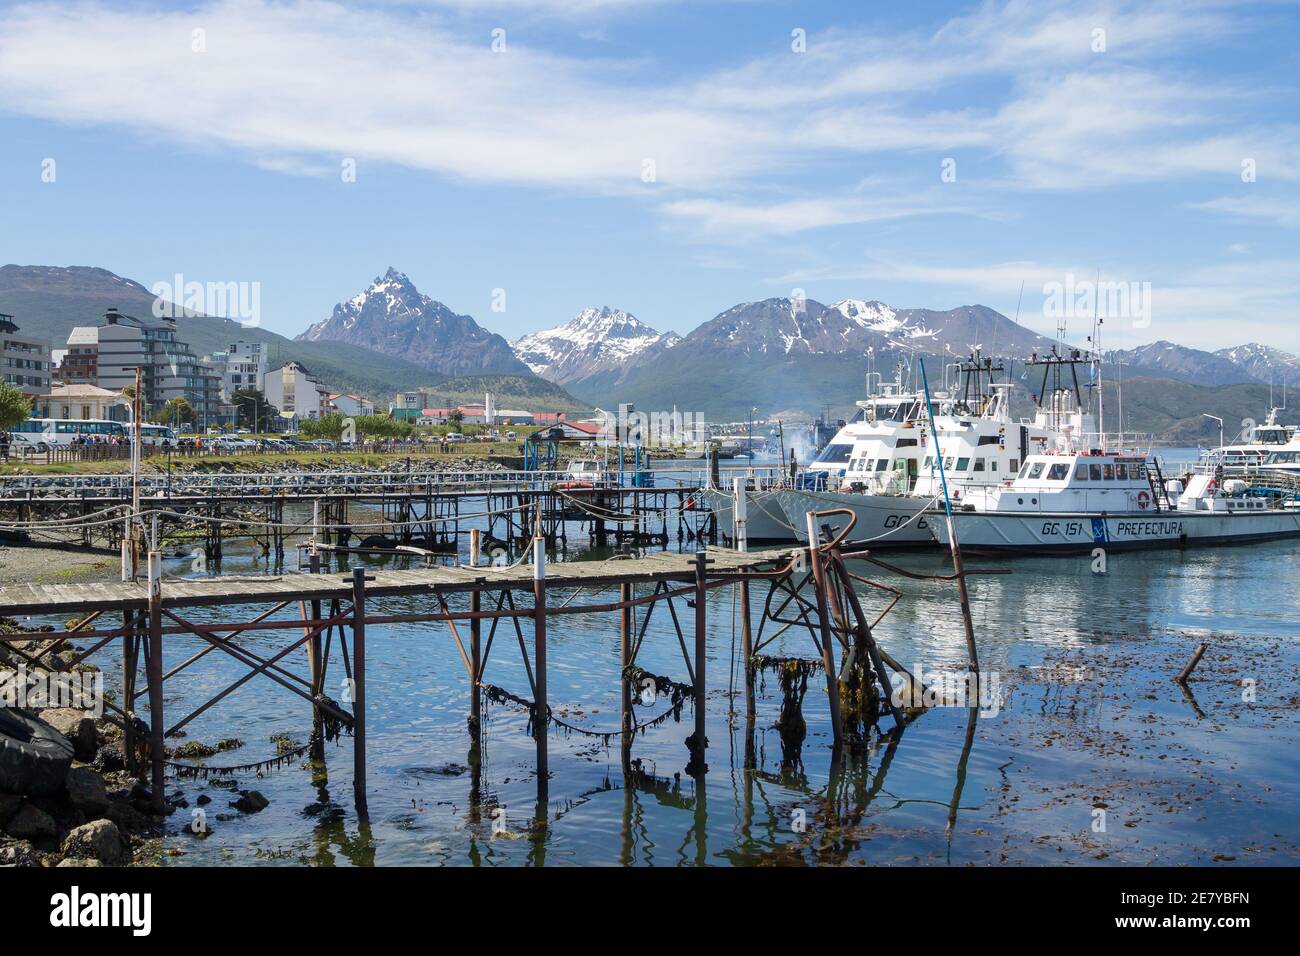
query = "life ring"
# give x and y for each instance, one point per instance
(1212, 487)
(690, 504)
(1144, 499)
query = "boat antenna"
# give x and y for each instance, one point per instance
(1096, 344)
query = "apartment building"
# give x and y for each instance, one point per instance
(170, 369)
(25, 360)
(242, 365)
(80, 364)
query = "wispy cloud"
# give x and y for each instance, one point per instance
(1279, 211)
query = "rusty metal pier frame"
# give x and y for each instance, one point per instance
(317, 613)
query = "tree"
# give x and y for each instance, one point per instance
(252, 410)
(177, 411)
(457, 417)
(15, 407)
(327, 426)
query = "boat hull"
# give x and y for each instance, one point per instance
(1064, 533)
(764, 519)
(883, 521)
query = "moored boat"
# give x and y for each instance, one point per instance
(1073, 503)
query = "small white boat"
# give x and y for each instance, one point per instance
(764, 519)
(1072, 503)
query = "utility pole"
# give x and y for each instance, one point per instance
(137, 409)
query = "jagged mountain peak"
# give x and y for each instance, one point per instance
(601, 341)
(392, 316)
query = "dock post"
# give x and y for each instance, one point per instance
(541, 711)
(740, 515)
(697, 742)
(823, 615)
(316, 666)
(359, 688)
(154, 666)
(475, 652)
(625, 660)
(130, 667)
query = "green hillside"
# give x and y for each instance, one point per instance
(49, 302)
(52, 309)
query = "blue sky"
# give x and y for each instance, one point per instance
(774, 170)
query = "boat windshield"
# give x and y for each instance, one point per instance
(836, 453)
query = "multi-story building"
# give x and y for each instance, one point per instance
(242, 365)
(416, 400)
(293, 392)
(26, 360)
(80, 363)
(169, 369)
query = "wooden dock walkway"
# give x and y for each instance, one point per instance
(62, 599)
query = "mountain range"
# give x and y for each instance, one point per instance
(771, 354)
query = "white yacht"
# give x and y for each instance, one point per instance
(1075, 502)
(890, 476)
(1257, 444)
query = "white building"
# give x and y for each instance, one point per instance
(353, 406)
(242, 365)
(293, 392)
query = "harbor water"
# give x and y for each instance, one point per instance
(1088, 753)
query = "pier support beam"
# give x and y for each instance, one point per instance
(827, 638)
(541, 715)
(154, 667)
(316, 665)
(359, 688)
(697, 742)
(475, 653)
(625, 660)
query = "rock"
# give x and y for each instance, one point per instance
(31, 823)
(203, 800)
(110, 759)
(98, 840)
(75, 861)
(18, 853)
(251, 801)
(127, 818)
(86, 791)
(194, 750)
(78, 726)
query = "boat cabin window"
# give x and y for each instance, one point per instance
(979, 464)
(963, 464)
(1108, 471)
(1094, 472)
(1058, 472)
(947, 463)
(1036, 469)
(906, 443)
(1012, 465)
(1121, 471)
(836, 453)
(882, 464)
(990, 440)
(1081, 472)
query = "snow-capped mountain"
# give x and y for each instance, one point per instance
(595, 342)
(1264, 363)
(392, 316)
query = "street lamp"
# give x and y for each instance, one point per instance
(1220, 421)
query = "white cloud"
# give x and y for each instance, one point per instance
(1279, 211)
(295, 85)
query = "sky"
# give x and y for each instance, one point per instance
(523, 159)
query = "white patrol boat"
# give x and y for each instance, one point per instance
(891, 476)
(1070, 503)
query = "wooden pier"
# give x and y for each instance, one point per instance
(326, 619)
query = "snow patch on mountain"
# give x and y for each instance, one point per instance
(596, 340)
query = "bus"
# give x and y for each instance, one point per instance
(155, 436)
(62, 432)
